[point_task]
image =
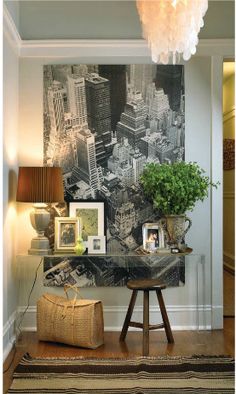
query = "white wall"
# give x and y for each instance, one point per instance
(198, 148)
(10, 167)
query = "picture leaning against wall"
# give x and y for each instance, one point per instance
(102, 124)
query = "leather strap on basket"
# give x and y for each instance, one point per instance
(75, 289)
(73, 302)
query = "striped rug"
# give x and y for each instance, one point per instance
(167, 375)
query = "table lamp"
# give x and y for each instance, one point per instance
(40, 185)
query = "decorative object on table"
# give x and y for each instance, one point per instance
(97, 244)
(174, 189)
(175, 250)
(71, 321)
(67, 231)
(153, 237)
(102, 271)
(55, 210)
(174, 227)
(80, 247)
(92, 217)
(187, 374)
(102, 162)
(171, 27)
(229, 154)
(40, 185)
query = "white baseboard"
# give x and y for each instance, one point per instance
(217, 317)
(9, 337)
(184, 317)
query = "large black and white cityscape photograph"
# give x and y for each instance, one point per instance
(102, 124)
(86, 271)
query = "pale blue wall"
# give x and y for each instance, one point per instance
(104, 19)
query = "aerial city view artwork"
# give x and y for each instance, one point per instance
(102, 124)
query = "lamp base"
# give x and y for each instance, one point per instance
(40, 246)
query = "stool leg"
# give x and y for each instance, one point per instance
(145, 323)
(128, 315)
(165, 317)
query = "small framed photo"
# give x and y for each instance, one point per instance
(153, 237)
(97, 244)
(91, 214)
(67, 230)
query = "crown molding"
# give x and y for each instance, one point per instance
(10, 31)
(113, 48)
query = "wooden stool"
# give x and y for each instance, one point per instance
(146, 285)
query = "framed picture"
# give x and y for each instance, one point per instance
(97, 244)
(153, 237)
(91, 215)
(67, 230)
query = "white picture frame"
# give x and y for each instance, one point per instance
(67, 231)
(96, 244)
(91, 214)
(153, 237)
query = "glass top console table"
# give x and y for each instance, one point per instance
(183, 274)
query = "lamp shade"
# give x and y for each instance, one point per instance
(40, 185)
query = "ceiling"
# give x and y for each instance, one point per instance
(101, 19)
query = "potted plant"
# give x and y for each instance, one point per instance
(174, 189)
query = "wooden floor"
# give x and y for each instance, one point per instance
(217, 342)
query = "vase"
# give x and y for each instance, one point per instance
(175, 229)
(79, 247)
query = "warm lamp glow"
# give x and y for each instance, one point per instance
(171, 27)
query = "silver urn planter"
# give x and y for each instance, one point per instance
(175, 228)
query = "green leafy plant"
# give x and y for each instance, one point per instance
(175, 188)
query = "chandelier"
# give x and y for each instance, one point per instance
(171, 27)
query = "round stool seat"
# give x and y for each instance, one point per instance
(145, 284)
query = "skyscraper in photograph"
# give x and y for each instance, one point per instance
(132, 122)
(171, 80)
(138, 163)
(157, 101)
(98, 103)
(56, 107)
(140, 76)
(116, 74)
(48, 80)
(77, 98)
(87, 166)
(56, 116)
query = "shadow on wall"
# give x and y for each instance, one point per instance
(12, 185)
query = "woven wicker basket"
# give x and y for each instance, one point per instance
(74, 322)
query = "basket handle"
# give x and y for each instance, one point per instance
(74, 288)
